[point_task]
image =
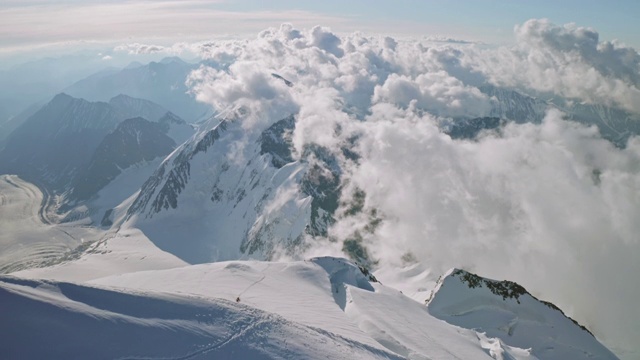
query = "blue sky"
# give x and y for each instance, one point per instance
(491, 18)
(32, 24)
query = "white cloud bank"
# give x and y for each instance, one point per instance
(568, 61)
(552, 205)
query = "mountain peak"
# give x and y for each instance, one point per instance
(121, 98)
(507, 311)
(171, 118)
(172, 59)
(133, 65)
(62, 98)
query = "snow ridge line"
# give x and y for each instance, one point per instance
(255, 283)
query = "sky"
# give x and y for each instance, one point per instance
(28, 25)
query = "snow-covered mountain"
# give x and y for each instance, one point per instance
(162, 82)
(229, 204)
(74, 147)
(123, 290)
(614, 124)
(505, 310)
(322, 307)
(134, 140)
(63, 135)
(52, 143)
(243, 193)
(246, 193)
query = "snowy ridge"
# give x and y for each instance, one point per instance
(52, 144)
(89, 322)
(615, 125)
(506, 311)
(130, 107)
(257, 201)
(126, 280)
(512, 105)
(236, 309)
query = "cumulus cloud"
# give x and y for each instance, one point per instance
(244, 86)
(136, 48)
(551, 205)
(437, 92)
(568, 61)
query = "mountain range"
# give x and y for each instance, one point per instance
(189, 221)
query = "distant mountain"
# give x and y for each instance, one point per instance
(36, 82)
(161, 82)
(13, 122)
(129, 107)
(53, 144)
(615, 125)
(133, 141)
(514, 106)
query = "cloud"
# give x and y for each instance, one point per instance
(324, 39)
(137, 48)
(567, 61)
(34, 23)
(244, 86)
(552, 205)
(435, 92)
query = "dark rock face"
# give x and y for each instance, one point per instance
(505, 289)
(176, 179)
(322, 182)
(471, 128)
(287, 82)
(276, 141)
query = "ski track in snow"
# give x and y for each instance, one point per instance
(256, 282)
(206, 349)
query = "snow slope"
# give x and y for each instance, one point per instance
(321, 308)
(328, 296)
(116, 253)
(85, 322)
(505, 310)
(238, 193)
